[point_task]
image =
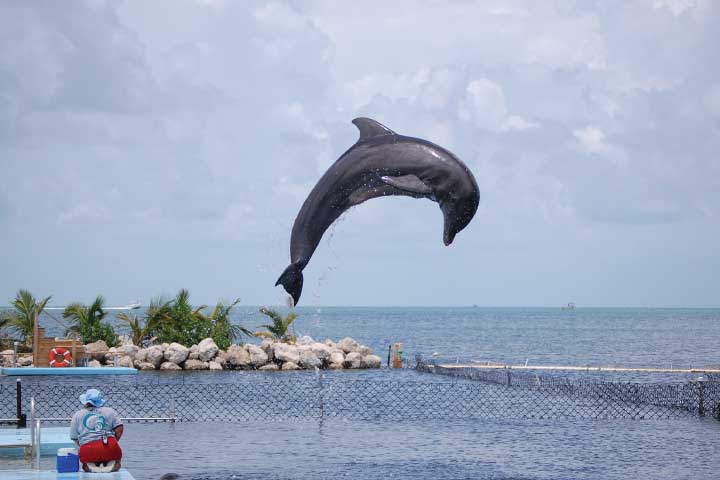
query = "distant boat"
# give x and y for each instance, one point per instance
(131, 306)
(569, 306)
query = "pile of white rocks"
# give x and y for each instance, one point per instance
(269, 355)
(7, 357)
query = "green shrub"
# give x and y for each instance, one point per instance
(177, 321)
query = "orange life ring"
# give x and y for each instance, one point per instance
(57, 352)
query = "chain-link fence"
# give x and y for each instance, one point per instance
(592, 398)
(470, 393)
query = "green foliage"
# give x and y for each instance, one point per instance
(87, 321)
(137, 326)
(21, 320)
(279, 330)
(178, 321)
(224, 332)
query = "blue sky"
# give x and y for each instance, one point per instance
(149, 146)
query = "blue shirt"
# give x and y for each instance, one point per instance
(93, 423)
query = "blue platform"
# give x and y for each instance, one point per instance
(68, 371)
(52, 475)
(14, 441)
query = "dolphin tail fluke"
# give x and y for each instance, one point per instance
(292, 281)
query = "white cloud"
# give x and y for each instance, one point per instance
(485, 107)
(592, 140)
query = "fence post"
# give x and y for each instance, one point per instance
(507, 373)
(21, 420)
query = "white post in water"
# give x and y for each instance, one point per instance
(36, 460)
(32, 428)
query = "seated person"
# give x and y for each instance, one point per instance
(96, 430)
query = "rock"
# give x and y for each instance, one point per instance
(348, 345)
(110, 355)
(309, 360)
(214, 366)
(290, 366)
(321, 350)
(337, 356)
(6, 358)
(258, 357)
(330, 343)
(370, 361)
(267, 346)
(353, 360)
(24, 361)
(364, 350)
(94, 364)
(141, 355)
(221, 358)
(193, 355)
(170, 366)
(130, 350)
(144, 365)
(176, 353)
(286, 353)
(305, 340)
(207, 349)
(154, 355)
(193, 364)
(237, 357)
(125, 361)
(270, 367)
(125, 340)
(96, 350)
(336, 366)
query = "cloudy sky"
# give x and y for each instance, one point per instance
(149, 146)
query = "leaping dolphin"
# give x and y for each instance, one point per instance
(380, 163)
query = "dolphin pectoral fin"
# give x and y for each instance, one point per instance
(360, 196)
(408, 183)
(369, 128)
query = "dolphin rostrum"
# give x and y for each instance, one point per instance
(380, 163)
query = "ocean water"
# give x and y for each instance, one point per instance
(585, 336)
(461, 448)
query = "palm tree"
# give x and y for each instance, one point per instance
(138, 328)
(279, 328)
(26, 312)
(224, 332)
(88, 322)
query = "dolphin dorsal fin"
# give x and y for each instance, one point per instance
(369, 128)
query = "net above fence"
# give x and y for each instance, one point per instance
(599, 398)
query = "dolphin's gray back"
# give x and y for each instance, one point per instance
(353, 179)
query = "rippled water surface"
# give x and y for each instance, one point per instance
(593, 449)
